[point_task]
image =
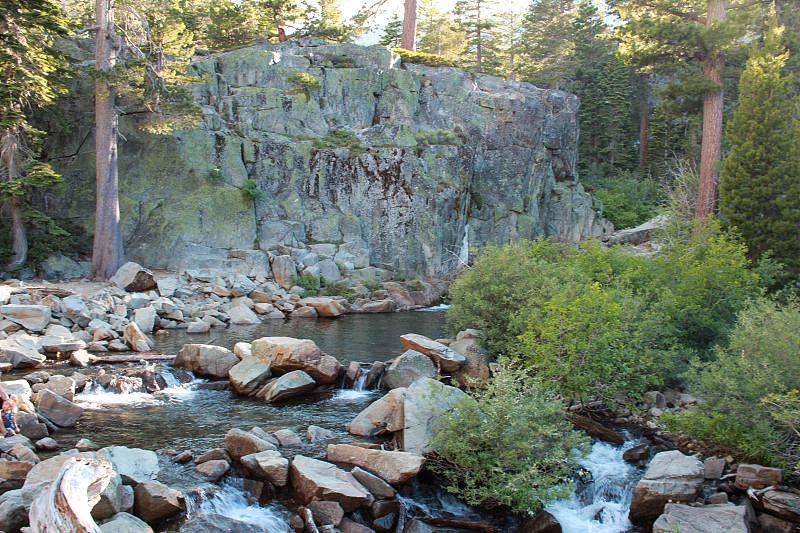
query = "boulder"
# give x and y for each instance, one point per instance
(13, 474)
(80, 358)
(110, 499)
(241, 314)
(57, 409)
(217, 523)
(326, 513)
(393, 467)
(154, 502)
(324, 306)
(13, 511)
(74, 308)
(269, 465)
(62, 385)
(283, 269)
(312, 479)
(750, 476)
(384, 415)
(317, 434)
(287, 437)
(249, 375)
(20, 387)
(241, 285)
(377, 306)
(215, 454)
(476, 368)
(44, 473)
(23, 452)
(198, 326)
(286, 354)
(168, 286)
(21, 351)
(136, 339)
(145, 319)
(425, 402)
(57, 344)
(47, 444)
(377, 486)
(31, 317)
(212, 471)
(125, 523)
(445, 358)
(287, 386)
(784, 504)
(240, 443)
(133, 278)
(408, 368)
(135, 465)
(721, 518)
(206, 360)
(670, 476)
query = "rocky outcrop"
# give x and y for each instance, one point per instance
(670, 476)
(391, 161)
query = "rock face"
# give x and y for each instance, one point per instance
(670, 476)
(440, 148)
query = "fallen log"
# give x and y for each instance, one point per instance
(462, 524)
(66, 505)
(133, 358)
(596, 429)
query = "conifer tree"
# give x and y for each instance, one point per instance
(324, 21)
(436, 33)
(548, 43)
(472, 17)
(392, 33)
(760, 180)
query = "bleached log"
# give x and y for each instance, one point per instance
(66, 505)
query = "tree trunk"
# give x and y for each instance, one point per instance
(644, 122)
(409, 37)
(9, 154)
(711, 151)
(107, 253)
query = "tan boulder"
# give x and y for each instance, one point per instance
(286, 354)
(269, 465)
(670, 476)
(206, 360)
(312, 479)
(384, 415)
(393, 467)
(325, 307)
(446, 358)
(287, 386)
(136, 339)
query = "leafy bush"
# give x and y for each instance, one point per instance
(512, 447)
(250, 190)
(336, 138)
(428, 138)
(45, 238)
(340, 61)
(373, 285)
(421, 58)
(339, 288)
(216, 176)
(627, 200)
(309, 282)
(305, 81)
(750, 389)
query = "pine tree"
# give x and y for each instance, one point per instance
(472, 17)
(324, 21)
(392, 33)
(508, 43)
(760, 180)
(548, 43)
(30, 67)
(436, 33)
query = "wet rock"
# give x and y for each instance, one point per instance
(326, 513)
(216, 454)
(155, 502)
(287, 437)
(287, 386)
(206, 360)
(377, 486)
(198, 327)
(214, 523)
(125, 523)
(31, 317)
(636, 454)
(423, 406)
(269, 465)
(408, 368)
(445, 358)
(286, 354)
(134, 338)
(240, 443)
(57, 409)
(47, 444)
(133, 464)
(318, 434)
(249, 375)
(312, 479)
(393, 467)
(183, 457)
(670, 476)
(384, 415)
(705, 519)
(757, 476)
(133, 278)
(596, 429)
(13, 511)
(212, 471)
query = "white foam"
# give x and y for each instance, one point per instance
(96, 396)
(231, 502)
(352, 395)
(440, 307)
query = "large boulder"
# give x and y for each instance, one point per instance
(249, 375)
(425, 402)
(241, 314)
(286, 354)
(324, 306)
(394, 467)
(287, 386)
(133, 278)
(135, 465)
(445, 358)
(13, 511)
(54, 344)
(721, 518)
(74, 308)
(145, 319)
(21, 351)
(670, 476)
(283, 270)
(44, 473)
(757, 476)
(269, 465)
(475, 371)
(155, 502)
(312, 479)
(239, 443)
(206, 360)
(384, 415)
(31, 317)
(408, 368)
(13, 474)
(58, 409)
(110, 499)
(783, 504)
(135, 338)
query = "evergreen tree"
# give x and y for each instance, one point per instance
(548, 43)
(473, 19)
(436, 33)
(324, 21)
(760, 180)
(508, 43)
(392, 33)
(30, 66)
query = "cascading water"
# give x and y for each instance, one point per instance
(602, 504)
(232, 502)
(463, 254)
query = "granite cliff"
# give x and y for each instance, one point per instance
(387, 160)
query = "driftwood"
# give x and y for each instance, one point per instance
(66, 505)
(596, 429)
(133, 358)
(462, 524)
(48, 291)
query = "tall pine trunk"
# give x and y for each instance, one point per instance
(711, 151)
(9, 153)
(409, 38)
(107, 253)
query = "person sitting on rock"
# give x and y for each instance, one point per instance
(8, 414)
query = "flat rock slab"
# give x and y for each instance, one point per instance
(269, 465)
(749, 476)
(783, 504)
(670, 476)
(312, 479)
(135, 465)
(721, 518)
(58, 409)
(446, 358)
(30, 317)
(393, 467)
(287, 386)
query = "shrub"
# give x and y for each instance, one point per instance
(216, 176)
(305, 81)
(250, 190)
(628, 200)
(748, 388)
(309, 282)
(421, 58)
(512, 447)
(340, 61)
(339, 288)
(373, 285)
(427, 138)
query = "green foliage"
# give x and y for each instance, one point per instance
(392, 33)
(216, 176)
(627, 199)
(472, 19)
(373, 285)
(309, 282)
(250, 190)
(748, 389)
(339, 61)
(512, 447)
(47, 237)
(337, 138)
(421, 58)
(305, 81)
(428, 138)
(323, 21)
(759, 186)
(436, 33)
(339, 288)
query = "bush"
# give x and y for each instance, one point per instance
(305, 81)
(748, 389)
(216, 176)
(513, 447)
(427, 138)
(250, 190)
(340, 288)
(309, 282)
(421, 58)
(628, 200)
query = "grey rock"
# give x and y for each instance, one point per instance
(76, 310)
(13, 511)
(704, 519)
(212, 471)
(21, 351)
(31, 317)
(287, 386)
(206, 360)
(58, 409)
(133, 464)
(125, 523)
(312, 479)
(670, 476)
(217, 523)
(249, 375)
(408, 368)
(424, 404)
